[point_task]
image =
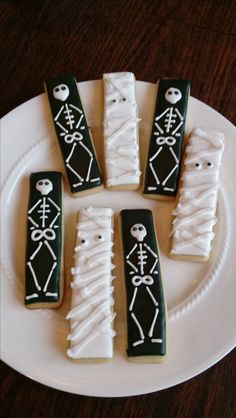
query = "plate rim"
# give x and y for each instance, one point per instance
(58, 386)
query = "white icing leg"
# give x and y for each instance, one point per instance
(138, 326)
(34, 275)
(49, 277)
(133, 299)
(150, 334)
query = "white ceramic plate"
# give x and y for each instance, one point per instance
(200, 297)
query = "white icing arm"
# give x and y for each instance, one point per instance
(91, 315)
(121, 130)
(195, 212)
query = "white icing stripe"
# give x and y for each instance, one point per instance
(195, 212)
(91, 313)
(120, 129)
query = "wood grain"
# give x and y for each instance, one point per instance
(154, 39)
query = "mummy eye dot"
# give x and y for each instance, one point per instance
(114, 100)
(124, 99)
(209, 164)
(198, 166)
(83, 241)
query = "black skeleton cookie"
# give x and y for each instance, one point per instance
(146, 314)
(44, 255)
(73, 135)
(166, 142)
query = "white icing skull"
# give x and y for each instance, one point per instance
(44, 186)
(61, 92)
(138, 231)
(173, 95)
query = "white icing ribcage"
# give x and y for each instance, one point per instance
(195, 212)
(91, 313)
(120, 129)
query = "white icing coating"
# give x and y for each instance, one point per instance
(195, 214)
(121, 129)
(91, 315)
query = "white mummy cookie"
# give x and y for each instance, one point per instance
(195, 214)
(91, 315)
(121, 131)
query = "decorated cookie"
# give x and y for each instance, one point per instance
(165, 147)
(195, 214)
(91, 315)
(121, 131)
(44, 254)
(73, 135)
(146, 315)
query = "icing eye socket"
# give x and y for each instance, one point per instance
(63, 88)
(135, 229)
(209, 164)
(40, 183)
(176, 92)
(170, 93)
(46, 183)
(57, 89)
(140, 228)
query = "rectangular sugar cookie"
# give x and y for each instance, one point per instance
(44, 252)
(195, 214)
(121, 131)
(91, 315)
(146, 313)
(166, 142)
(73, 136)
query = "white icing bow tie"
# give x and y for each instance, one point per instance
(47, 233)
(137, 280)
(169, 140)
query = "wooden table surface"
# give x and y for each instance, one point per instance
(154, 39)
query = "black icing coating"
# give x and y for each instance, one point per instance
(165, 147)
(44, 239)
(73, 134)
(142, 272)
